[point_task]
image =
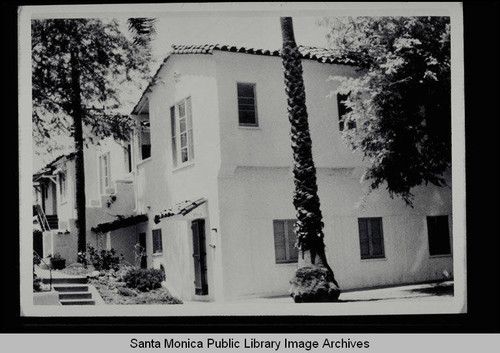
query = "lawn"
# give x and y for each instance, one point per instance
(114, 290)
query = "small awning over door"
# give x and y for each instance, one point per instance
(181, 208)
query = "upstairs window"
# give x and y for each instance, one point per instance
(62, 186)
(104, 172)
(343, 110)
(157, 242)
(284, 241)
(127, 156)
(439, 235)
(247, 107)
(181, 127)
(145, 140)
(371, 238)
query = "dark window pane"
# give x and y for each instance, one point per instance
(371, 238)
(247, 117)
(246, 104)
(182, 110)
(439, 235)
(172, 121)
(182, 125)
(245, 90)
(184, 155)
(157, 242)
(146, 151)
(247, 101)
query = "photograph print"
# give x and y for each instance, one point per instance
(254, 160)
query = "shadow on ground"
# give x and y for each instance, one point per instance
(439, 289)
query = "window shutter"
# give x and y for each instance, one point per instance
(364, 241)
(189, 128)
(174, 133)
(279, 241)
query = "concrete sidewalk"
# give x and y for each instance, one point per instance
(418, 292)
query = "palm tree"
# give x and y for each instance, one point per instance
(314, 280)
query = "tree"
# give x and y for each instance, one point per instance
(314, 279)
(401, 100)
(78, 69)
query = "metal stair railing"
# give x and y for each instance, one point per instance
(35, 254)
(42, 218)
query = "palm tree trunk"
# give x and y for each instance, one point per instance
(314, 280)
(76, 102)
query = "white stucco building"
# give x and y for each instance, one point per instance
(109, 192)
(212, 171)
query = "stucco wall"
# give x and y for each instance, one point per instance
(123, 241)
(248, 241)
(269, 143)
(159, 185)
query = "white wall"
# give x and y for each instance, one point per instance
(160, 185)
(269, 143)
(252, 199)
(256, 186)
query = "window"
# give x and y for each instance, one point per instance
(371, 238)
(157, 244)
(104, 172)
(145, 140)
(247, 108)
(181, 127)
(343, 110)
(284, 241)
(62, 186)
(127, 155)
(439, 235)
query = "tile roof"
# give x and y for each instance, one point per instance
(49, 168)
(181, 208)
(121, 222)
(322, 55)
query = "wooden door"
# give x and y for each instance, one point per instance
(200, 257)
(142, 243)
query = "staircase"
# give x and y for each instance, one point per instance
(53, 221)
(72, 290)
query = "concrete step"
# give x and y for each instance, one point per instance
(70, 288)
(66, 280)
(77, 302)
(75, 295)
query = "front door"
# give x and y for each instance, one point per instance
(200, 257)
(142, 243)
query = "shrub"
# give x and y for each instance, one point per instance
(104, 259)
(37, 283)
(127, 292)
(144, 279)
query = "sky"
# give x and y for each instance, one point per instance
(257, 31)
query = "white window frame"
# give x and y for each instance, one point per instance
(176, 133)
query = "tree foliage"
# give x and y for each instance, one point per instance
(108, 62)
(401, 99)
